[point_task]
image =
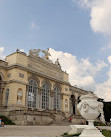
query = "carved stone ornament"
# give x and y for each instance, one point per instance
(46, 55)
(51, 93)
(90, 109)
(34, 52)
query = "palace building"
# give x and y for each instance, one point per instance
(33, 90)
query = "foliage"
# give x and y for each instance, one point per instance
(99, 124)
(107, 111)
(6, 120)
(106, 133)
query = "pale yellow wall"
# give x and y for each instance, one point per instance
(18, 58)
(65, 77)
(22, 59)
(11, 59)
(65, 89)
(13, 88)
(63, 103)
(15, 75)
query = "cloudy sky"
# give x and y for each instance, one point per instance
(78, 32)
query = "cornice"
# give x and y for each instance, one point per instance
(16, 81)
(43, 62)
(28, 69)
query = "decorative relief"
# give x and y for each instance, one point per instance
(66, 89)
(51, 93)
(8, 75)
(21, 75)
(34, 52)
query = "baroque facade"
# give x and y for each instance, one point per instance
(33, 90)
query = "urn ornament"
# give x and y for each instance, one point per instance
(90, 109)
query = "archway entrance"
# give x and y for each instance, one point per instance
(73, 103)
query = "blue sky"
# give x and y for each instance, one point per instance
(62, 25)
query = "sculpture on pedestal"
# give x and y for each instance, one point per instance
(90, 109)
(19, 97)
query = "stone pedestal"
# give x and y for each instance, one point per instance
(91, 133)
(76, 129)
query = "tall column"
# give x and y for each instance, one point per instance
(61, 102)
(39, 98)
(26, 96)
(51, 102)
(2, 85)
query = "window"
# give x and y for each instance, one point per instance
(6, 97)
(32, 94)
(45, 96)
(57, 98)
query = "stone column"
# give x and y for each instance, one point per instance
(61, 102)
(26, 96)
(2, 85)
(51, 102)
(39, 98)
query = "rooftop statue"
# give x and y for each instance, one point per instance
(34, 52)
(46, 54)
(57, 63)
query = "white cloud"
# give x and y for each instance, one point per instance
(34, 26)
(100, 12)
(109, 59)
(103, 90)
(2, 56)
(81, 72)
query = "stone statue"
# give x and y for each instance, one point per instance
(57, 63)
(34, 52)
(46, 54)
(19, 97)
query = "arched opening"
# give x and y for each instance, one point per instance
(57, 98)
(73, 103)
(32, 94)
(45, 96)
(19, 96)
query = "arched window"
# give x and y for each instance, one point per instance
(56, 98)
(32, 94)
(6, 97)
(45, 96)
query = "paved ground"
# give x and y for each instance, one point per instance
(36, 131)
